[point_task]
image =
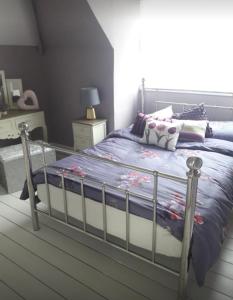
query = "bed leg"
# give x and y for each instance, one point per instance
(23, 128)
(194, 164)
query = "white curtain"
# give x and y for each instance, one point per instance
(187, 44)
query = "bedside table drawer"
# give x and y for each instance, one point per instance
(82, 143)
(82, 130)
(99, 133)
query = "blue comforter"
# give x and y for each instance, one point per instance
(215, 189)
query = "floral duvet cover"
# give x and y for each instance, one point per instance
(215, 188)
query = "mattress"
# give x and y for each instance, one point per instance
(140, 228)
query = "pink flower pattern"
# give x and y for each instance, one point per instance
(133, 179)
(73, 170)
(108, 156)
(146, 153)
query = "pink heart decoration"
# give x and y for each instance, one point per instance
(29, 94)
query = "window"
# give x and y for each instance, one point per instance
(187, 44)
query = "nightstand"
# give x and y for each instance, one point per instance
(87, 133)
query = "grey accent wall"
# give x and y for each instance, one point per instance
(17, 23)
(26, 63)
(77, 54)
(80, 49)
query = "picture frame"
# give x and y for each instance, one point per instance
(14, 91)
(4, 101)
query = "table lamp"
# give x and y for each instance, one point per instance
(90, 98)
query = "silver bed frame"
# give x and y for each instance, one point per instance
(191, 181)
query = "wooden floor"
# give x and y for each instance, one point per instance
(59, 263)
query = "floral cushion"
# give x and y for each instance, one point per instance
(162, 134)
(140, 121)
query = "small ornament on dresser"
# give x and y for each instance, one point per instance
(28, 96)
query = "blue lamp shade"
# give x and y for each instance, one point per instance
(90, 96)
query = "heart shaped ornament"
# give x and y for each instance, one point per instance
(28, 95)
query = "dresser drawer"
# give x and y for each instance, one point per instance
(27, 120)
(7, 130)
(5, 125)
(82, 130)
(9, 124)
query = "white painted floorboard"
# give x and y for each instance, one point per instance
(57, 262)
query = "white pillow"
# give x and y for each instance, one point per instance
(163, 114)
(162, 134)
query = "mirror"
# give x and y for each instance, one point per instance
(3, 92)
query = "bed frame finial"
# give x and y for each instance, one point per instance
(23, 128)
(143, 95)
(194, 164)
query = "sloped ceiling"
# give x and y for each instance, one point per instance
(69, 26)
(115, 17)
(17, 23)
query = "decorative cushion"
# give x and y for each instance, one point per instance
(139, 124)
(192, 131)
(197, 112)
(162, 134)
(140, 121)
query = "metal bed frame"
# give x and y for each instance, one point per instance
(191, 181)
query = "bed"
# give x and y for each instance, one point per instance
(141, 199)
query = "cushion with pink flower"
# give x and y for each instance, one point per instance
(161, 133)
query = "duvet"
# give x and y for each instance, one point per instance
(215, 188)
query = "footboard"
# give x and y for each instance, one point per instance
(191, 182)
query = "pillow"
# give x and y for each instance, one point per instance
(197, 112)
(140, 121)
(222, 130)
(162, 134)
(192, 131)
(163, 114)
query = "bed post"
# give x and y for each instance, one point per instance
(143, 96)
(23, 128)
(194, 164)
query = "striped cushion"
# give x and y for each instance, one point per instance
(193, 131)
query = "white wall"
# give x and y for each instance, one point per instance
(119, 20)
(17, 23)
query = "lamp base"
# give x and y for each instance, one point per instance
(90, 113)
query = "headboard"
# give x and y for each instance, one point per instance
(219, 106)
